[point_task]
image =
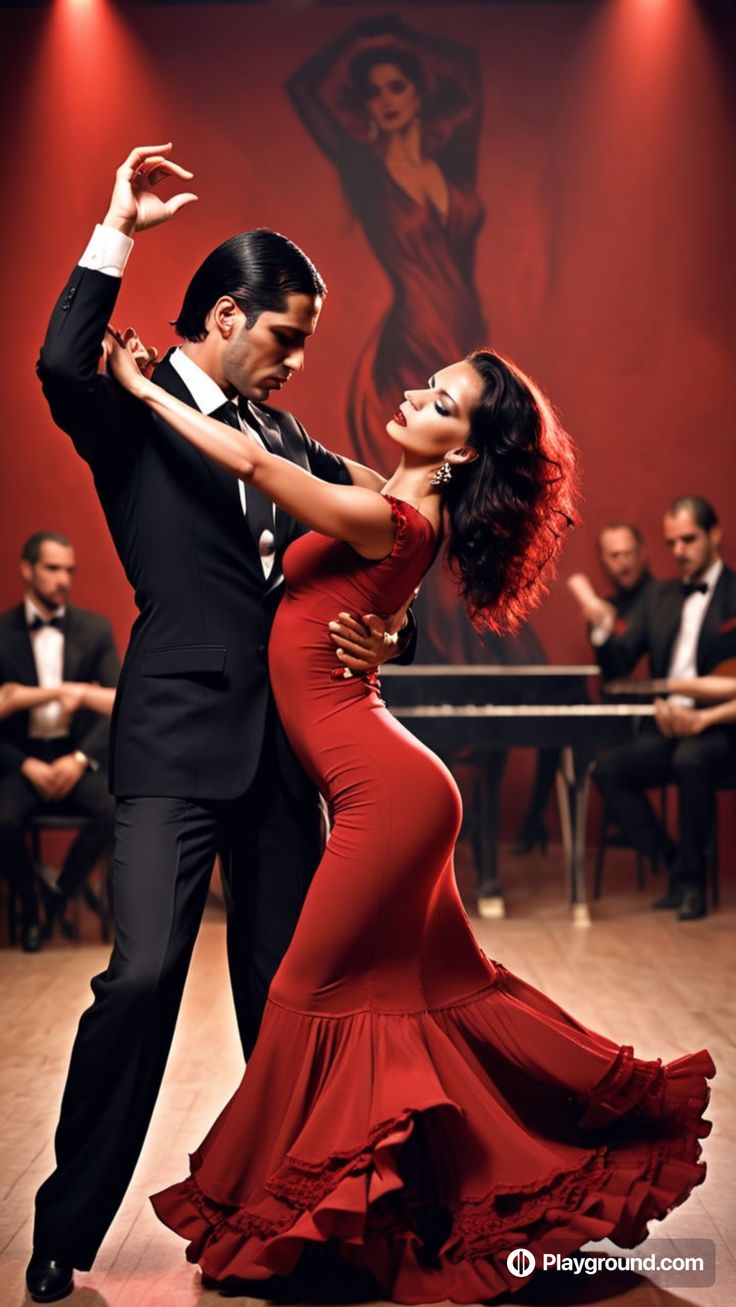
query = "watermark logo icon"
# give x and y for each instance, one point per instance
(521, 1262)
(664, 1262)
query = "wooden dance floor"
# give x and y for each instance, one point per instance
(636, 975)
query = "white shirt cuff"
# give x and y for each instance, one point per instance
(108, 251)
(600, 633)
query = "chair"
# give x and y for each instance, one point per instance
(612, 837)
(43, 822)
(725, 785)
(9, 906)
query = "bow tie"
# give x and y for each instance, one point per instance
(37, 622)
(688, 588)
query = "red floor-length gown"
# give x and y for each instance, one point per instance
(411, 1105)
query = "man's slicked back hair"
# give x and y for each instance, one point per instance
(31, 551)
(701, 510)
(258, 269)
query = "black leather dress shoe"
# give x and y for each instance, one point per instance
(55, 910)
(47, 1280)
(693, 906)
(30, 940)
(93, 901)
(671, 900)
(529, 837)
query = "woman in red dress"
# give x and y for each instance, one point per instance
(411, 1108)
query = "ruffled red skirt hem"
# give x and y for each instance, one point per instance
(425, 1148)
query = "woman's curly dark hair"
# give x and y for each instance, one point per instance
(509, 508)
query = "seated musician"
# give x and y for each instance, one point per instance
(623, 560)
(688, 629)
(58, 667)
(716, 699)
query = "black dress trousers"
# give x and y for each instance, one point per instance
(695, 764)
(164, 853)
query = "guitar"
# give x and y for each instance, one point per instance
(717, 687)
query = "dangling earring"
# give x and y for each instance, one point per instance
(442, 475)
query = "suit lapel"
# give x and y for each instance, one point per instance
(73, 646)
(285, 442)
(169, 379)
(270, 432)
(20, 650)
(715, 614)
(225, 482)
(267, 428)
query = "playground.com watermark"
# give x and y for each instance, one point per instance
(667, 1262)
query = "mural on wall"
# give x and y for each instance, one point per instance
(398, 113)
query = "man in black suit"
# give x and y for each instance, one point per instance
(623, 560)
(688, 628)
(199, 761)
(53, 741)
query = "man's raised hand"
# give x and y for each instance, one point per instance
(134, 204)
(364, 643)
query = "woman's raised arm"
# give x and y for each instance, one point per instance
(359, 516)
(305, 89)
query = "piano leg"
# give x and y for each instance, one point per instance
(490, 893)
(573, 782)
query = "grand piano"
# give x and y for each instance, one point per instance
(488, 709)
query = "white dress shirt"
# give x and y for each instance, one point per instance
(47, 721)
(683, 660)
(108, 251)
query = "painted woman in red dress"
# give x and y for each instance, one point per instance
(398, 112)
(412, 1108)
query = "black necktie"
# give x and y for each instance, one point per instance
(688, 588)
(37, 622)
(258, 509)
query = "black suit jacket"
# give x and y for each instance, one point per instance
(193, 699)
(653, 625)
(625, 601)
(89, 655)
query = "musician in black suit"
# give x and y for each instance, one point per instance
(55, 662)
(688, 628)
(199, 761)
(623, 559)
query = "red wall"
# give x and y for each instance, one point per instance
(606, 262)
